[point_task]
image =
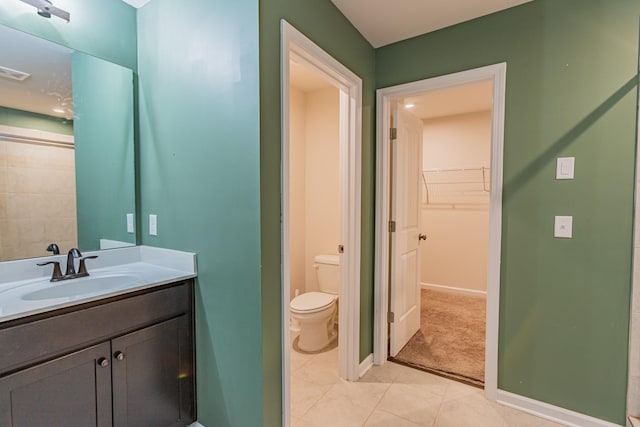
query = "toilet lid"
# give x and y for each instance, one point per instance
(311, 301)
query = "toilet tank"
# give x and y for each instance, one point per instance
(328, 273)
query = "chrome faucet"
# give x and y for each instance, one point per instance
(70, 272)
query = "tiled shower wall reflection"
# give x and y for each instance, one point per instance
(37, 198)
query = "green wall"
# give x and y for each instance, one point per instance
(199, 172)
(210, 169)
(29, 120)
(571, 91)
(104, 153)
(320, 21)
(103, 28)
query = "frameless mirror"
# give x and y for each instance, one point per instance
(66, 149)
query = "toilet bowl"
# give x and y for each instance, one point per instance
(315, 313)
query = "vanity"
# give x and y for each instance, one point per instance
(113, 349)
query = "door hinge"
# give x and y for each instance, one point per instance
(393, 133)
(392, 226)
(391, 317)
(340, 249)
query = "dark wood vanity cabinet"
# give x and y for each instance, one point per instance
(148, 380)
(135, 374)
(72, 390)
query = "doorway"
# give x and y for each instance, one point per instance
(299, 51)
(397, 283)
(453, 131)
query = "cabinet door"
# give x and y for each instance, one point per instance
(73, 390)
(153, 376)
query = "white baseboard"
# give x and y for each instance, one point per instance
(550, 412)
(436, 287)
(365, 365)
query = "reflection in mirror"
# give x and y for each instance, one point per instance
(66, 156)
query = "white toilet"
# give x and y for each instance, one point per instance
(316, 312)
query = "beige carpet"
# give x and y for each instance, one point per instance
(451, 337)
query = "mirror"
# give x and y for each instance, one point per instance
(66, 149)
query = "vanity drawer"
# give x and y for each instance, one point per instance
(35, 341)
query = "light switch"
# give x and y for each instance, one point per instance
(564, 167)
(153, 225)
(130, 223)
(563, 227)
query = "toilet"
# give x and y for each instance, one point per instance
(315, 313)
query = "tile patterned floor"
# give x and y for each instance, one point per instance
(390, 396)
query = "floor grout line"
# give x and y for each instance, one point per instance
(464, 402)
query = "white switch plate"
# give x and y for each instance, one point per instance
(564, 167)
(130, 228)
(563, 227)
(153, 225)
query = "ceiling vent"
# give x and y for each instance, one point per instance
(9, 73)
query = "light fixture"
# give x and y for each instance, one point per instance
(58, 110)
(10, 73)
(410, 105)
(46, 9)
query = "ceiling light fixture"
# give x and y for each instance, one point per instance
(409, 105)
(10, 73)
(46, 9)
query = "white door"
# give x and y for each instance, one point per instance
(405, 211)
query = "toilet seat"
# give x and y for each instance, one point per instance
(311, 302)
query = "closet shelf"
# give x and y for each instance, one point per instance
(468, 186)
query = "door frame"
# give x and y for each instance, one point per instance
(497, 74)
(295, 44)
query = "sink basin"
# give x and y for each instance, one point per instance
(80, 287)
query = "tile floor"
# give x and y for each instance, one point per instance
(391, 395)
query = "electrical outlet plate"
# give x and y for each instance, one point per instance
(130, 227)
(565, 167)
(153, 225)
(563, 227)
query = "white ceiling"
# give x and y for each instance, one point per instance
(383, 22)
(49, 64)
(136, 3)
(449, 102)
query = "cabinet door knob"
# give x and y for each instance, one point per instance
(118, 355)
(103, 361)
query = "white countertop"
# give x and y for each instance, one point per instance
(25, 288)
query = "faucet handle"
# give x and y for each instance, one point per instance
(83, 268)
(53, 248)
(57, 273)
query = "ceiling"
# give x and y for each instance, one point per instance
(383, 22)
(136, 3)
(469, 98)
(48, 87)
